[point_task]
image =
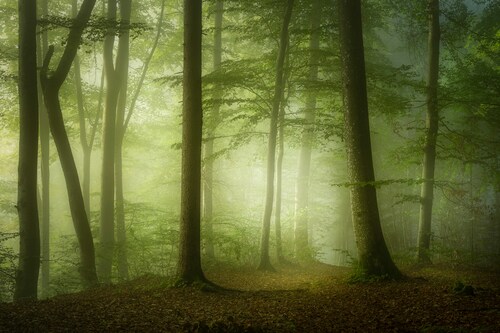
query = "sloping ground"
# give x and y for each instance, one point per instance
(312, 299)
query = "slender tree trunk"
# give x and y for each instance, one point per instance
(45, 166)
(301, 244)
(83, 129)
(265, 263)
(211, 128)
(432, 119)
(107, 238)
(373, 256)
(279, 183)
(29, 232)
(189, 265)
(122, 66)
(51, 86)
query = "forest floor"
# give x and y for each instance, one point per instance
(316, 298)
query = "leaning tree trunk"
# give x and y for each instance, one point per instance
(189, 264)
(265, 263)
(301, 237)
(44, 166)
(209, 145)
(51, 86)
(29, 233)
(373, 256)
(431, 132)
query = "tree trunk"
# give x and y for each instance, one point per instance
(265, 263)
(122, 64)
(45, 166)
(51, 86)
(373, 256)
(29, 232)
(211, 128)
(301, 244)
(107, 218)
(83, 130)
(189, 265)
(431, 132)
(279, 183)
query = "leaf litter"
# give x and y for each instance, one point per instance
(316, 298)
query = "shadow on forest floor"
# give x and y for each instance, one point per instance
(293, 299)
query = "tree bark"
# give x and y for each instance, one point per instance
(211, 128)
(122, 63)
(189, 264)
(373, 256)
(44, 166)
(265, 263)
(279, 178)
(51, 86)
(301, 237)
(29, 232)
(431, 132)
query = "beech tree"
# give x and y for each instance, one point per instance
(189, 264)
(29, 234)
(211, 128)
(431, 132)
(44, 130)
(51, 85)
(265, 263)
(301, 236)
(373, 255)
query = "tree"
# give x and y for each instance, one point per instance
(301, 243)
(211, 127)
(431, 132)
(44, 165)
(122, 66)
(265, 263)
(189, 264)
(29, 234)
(373, 255)
(113, 85)
(51, 86)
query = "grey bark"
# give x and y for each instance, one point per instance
(431, 132)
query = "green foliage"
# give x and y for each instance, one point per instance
(8, 264)
(97, 27)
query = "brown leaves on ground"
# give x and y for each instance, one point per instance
(294, 299)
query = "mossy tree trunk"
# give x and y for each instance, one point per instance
(373, 255)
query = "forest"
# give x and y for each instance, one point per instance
(250, 166)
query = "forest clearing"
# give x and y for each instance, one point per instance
(316, 298)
